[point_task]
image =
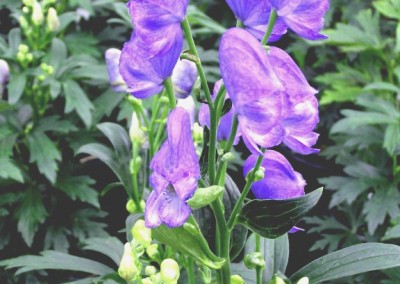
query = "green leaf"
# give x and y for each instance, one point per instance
(16, 87)
(273, 218)
(79, 187)
(188, 240)
(54, 123)
(106, 103)
(209, 26)
(77, 100)
(382, 86)
(388, 8)
(350, 261)
(392, 233)
(10, 170)
(392, 138)
(14, 40)
(58, 261)
(111, 247)
(31, 213)
(45, 154)
(58, 54)
(86, 224)
(93, 72)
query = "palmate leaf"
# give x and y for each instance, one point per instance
(10, 170)
(79, 187)
(350, 261)
(111, 247)
(273, 218)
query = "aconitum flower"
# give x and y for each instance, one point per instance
(175, 174)
(225, 124)
(183, 78)
(112, 56)
(144, 71)
(305, 18)
(254, 14)
(273, 99)
(280, 180)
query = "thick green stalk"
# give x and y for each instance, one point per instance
(190, 271)
(250, 179)
(271, 23)
(170, 92)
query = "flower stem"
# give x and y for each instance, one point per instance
(258, 269)
(271, 23)
(135, 189)
(190, 271)
(193, 50)
(250, 179)
(170, 92)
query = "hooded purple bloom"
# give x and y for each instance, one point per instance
(144, 71)
(175, 174)
(225, 124)
(153, 18)
(254, 14)
(183, 78)
(304, 17)
(272, 98)
(280, 181)
(112, 56)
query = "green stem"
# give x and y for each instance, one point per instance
(135, 188)
(193, 50)
(250, 179)
(190, 271)
(271, 23)
(170, 92)
(258, 269)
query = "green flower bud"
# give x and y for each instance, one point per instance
(37, 14)
(130, 206)
(259, 175)
(152, 252)
(197, 133)
(128, 269)
(141, 233)
(28, 3)
(254, 260)
(25, 10)
(29, 57)
(170, 271)
(304, 280)
(23, 22)
(150, 270)
(23, 48)
(53, 23)
(41, 77)
(135, 132)
(156, 278)
(164, 100)
(236, 279)
(227, 157)
(21, 57)
(277, 280)
(204, 196)
(147, 281)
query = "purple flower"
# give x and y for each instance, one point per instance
(175, 174)
(152, 18)
(305, 17)
(183, 77)
(280, 180)
(189, 105)
(225, 124)
(4, 74)
(112, 56)
(272, 98)
(144, 71)
(254, 14)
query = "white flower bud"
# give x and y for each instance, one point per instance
(37, 14)
(170, 271)
(53, 23)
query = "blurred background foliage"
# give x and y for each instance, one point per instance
(52, 197)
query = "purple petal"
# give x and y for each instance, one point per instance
(183, 77)
(145, 72)
(280, 181)
(112, 57)
(151, 215)
(306, 18)
(189, 105)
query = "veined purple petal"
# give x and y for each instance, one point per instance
(183, 78)
(304, 17)
(225, 124)
(112, 56)
(145, 72)
(254, 14)
(255, 90)
(280, 180)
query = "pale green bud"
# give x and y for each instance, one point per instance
(131, 206)
(25, 10)
(53, 23)
(23, 48)
(197, 133)
(304, 280)
(37, 14)
(23, 22)
(28, 3)
(156, 278)
(21, 57)
(41, 77)
(29, 57)
(152, 251)
(128, 269)
(150, 270)
(259, 175)
(170, 271)
(254, 260)
(236, 279)
(147, 281)
(136, 134)
(204, 196)
(141, 233)
(277, 280)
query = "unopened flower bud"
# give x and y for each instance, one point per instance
(28, 3)
(128, 269)
(136, 134)
(131, 206)
(183, 78)
(53, 23)
(37, 14)
(277, 280)
(259, 174)
(29, 57)
(23, 48)
(169, 271)
(141, 233)
(236, 279)
(147, 280)
(150, 270)
(254, 260)
(41, 77)
(112, 56)
(304, 280)
(156, 278)
(152, 251)
(25, 10)
(204, 196)
(197, 131)
(4, 75)
(23, 22)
